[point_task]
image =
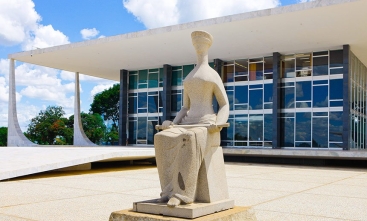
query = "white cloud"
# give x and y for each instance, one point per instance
(169, 12)
(43, 37)
(99, 88)
(303, 1)
(17, 19)
(89, 33)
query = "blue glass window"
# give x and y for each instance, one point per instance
(335, 126)
(256, 99)
(268, 127)
(268, 92)
(133, 126)
(320, 96)
(288, 132)
(320, 66)
(303, 91)
(336, 89)
(241, 94)
(256, 128)
(320, 132)
(303, 126)
(288, 97)
(240, 127)
(142, 128)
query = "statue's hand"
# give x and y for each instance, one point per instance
(214, 128)
(166, 124)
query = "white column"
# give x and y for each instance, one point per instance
(80, 139)
(16, 137)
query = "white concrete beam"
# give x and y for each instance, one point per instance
(15, 134)
(80, 139)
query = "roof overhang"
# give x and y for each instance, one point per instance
(305, 27)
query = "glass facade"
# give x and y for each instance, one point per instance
(249, 87)
(144, 104)
(357, 103)
(310, 101)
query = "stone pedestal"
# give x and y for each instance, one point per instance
(235, 214)
(189, 211)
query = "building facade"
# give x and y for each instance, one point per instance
(310, 100)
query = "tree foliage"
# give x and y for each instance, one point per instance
(3, 136)
(93, 126)
(106, 103)
(50, 127)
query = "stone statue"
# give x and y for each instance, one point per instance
(182, 145)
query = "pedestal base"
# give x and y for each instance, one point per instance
(235, 214)
(189, 211)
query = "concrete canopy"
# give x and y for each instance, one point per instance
(312, 26)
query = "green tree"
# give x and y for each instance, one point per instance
(93, 126)
(50, 127)
(3, 136)
(106, 103)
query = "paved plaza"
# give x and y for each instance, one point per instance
(275, 192)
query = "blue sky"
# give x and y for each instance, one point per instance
(27, 24)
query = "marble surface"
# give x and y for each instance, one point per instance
(20, 161)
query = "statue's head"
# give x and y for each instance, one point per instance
(202, 41)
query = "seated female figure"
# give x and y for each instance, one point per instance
(179, 150)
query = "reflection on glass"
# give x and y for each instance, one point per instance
(153, 80)
(303, 91)
(142, 100)
(187, 69)
(268, 65)
(133, 102)
(288, 97)
(303, 144)
(151, 131)
(268, 127)
(320, 96)
(133, 81)
(176, 79)
(320, 132)
(230, 99)
(256, 127)
(320, 66)
(240, 128)
(153, 104)
(241, 94)
(256, 99)
(336, 58)
(133, 126)
(241, 67)
(175, 102)
(336, 71)
(336, 89)
(256, 71)
(288, 67)
(336, 126)
(303, 104)
(268, 92)
(303, 126)
(303, 62)
(143, 79)
(288, 132)
(227, 72)
(227, 132)
(142, 128)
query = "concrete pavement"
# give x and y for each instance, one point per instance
(275, 192)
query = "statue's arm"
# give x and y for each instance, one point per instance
(221, 96)
(185, 108)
